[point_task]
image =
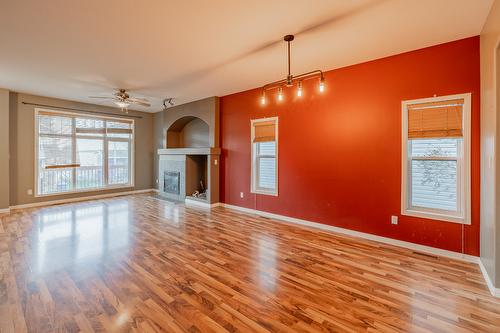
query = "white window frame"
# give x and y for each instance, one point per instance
(105, 139)
(463, 215)
(255, 159)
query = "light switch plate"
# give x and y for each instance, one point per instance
(241, 194)
(394, 219)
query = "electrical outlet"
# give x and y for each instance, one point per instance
(29, 191)
(241, 194)
(215, 162)
(394, 219)
(157, 181)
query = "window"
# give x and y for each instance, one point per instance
(436, 158)
(265, 156)
(77, 152)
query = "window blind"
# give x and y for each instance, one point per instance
(435, 120)
(434, 182)
(264, 131)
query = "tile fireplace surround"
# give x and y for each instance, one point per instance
(186, 163)
(190, 152)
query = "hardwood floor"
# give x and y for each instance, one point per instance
(137, 263)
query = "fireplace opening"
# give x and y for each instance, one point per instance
(196, 176)
(171, 182)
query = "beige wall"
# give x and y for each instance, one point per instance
(4, 149)
(490, 169)
(22, 147)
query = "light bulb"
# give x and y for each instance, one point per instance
(122, 104)
(322, 84)
(299, 89)
(280, 94)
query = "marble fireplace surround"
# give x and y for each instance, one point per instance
(190, 147)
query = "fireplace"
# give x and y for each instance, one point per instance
(171, 182)
(188, 159)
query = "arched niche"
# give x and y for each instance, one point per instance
(188, 132)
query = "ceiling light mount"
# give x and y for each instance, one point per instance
(168, 102)
(291, 79)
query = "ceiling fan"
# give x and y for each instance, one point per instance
(123, 100)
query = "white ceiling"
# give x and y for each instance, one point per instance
(199, 48)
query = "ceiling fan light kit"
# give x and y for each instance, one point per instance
(291, 79)
(123, 100)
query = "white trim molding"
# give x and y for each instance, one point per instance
(254, 175)
(463, 213)
(5, 210)
(381, 239)
(494, 291)
(74, 136)
(198, 203)
(85, 198)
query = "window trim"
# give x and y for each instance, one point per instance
(254, 170)
(463, 166)
(130, 184)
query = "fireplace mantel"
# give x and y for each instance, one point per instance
(189, 151)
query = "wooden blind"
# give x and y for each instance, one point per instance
(264, 131)
(435, 119)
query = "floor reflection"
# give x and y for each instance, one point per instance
(266, 264)
(73, 235)
(170, 211)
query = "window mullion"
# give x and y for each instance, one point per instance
(460, 178)
(74, 153)
(106, 157)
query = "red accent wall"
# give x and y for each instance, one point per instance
(340, 151)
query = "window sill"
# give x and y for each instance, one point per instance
(264, 192)
(87, 190)
(435, 216)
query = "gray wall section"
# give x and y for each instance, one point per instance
(206, 109)
(159, 143)
(22, 146)
(497, 193)
(195, 134)
(490, 141)
(188, 132)
(4, 149)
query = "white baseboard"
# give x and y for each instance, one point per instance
(386, 240)
(68, 200)
(494, 291)
(4, 210)
(194, 202)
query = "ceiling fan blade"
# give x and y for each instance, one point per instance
(102, 97)
(142, 103)
(139, 99)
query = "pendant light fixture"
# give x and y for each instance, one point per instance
(280, 93)
(291, 79)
